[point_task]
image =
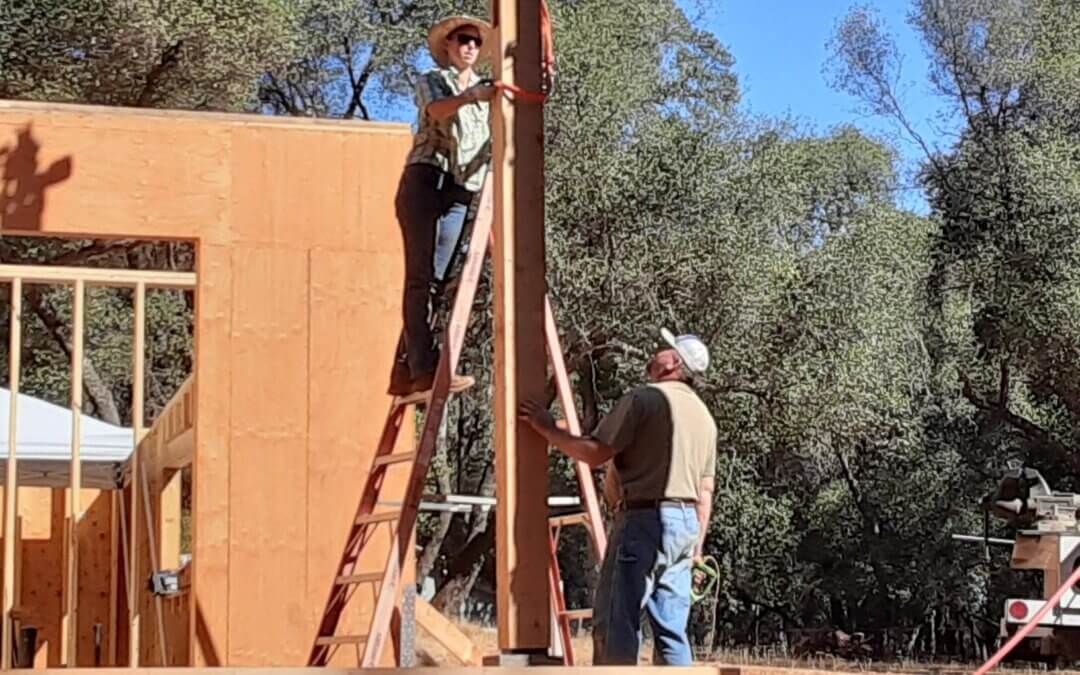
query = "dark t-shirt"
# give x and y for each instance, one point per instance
(664, 439)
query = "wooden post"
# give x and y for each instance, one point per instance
(520, 363)
(114, 575)
(137, 409)
(169, 515)
(152, 544)
(16, 619)
(124, 544)
(11, 488)
(74, 512)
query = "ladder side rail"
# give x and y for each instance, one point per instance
(339, 594)
(558, 599)
(589, 499)
(390, 589)
(566, 398)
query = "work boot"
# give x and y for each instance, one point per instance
(424, 383)
(401, 382)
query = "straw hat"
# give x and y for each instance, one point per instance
(437, 37)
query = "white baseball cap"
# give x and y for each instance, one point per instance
(690, 348)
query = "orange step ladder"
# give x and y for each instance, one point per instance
(346, 580)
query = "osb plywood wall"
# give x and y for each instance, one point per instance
(300, 271)
(40, 594)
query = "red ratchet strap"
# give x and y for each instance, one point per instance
(548, 41)
(518, 92)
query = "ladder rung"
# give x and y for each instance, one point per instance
(570, 519)
(346, 579)
(341, 640)
(378, 517)
(573, 614)
(396, 458)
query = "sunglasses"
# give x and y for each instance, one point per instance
(465, 38)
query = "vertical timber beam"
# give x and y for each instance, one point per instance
(152, 543)
(520, 363)
(137, 410)
(11, 487)
(114, 574)
(71, 657)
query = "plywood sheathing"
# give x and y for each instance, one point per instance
(339, 304)
(41, 597)
(212, 467)
(299, 285)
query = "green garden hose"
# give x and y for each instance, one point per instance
(709, 574)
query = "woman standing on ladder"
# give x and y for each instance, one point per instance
(444, 172)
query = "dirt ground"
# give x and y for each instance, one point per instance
(486, 638)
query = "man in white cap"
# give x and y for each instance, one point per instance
(661, 440)
(443, 174)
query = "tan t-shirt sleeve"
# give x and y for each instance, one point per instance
(618, 428)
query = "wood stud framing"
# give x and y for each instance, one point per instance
(271, 288)
(71, 591)
(10, 489)
(114, 573)
(137, 408)
(78, 279)
(145, 481)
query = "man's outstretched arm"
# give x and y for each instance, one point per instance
(582, 448)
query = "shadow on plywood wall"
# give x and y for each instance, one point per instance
(22, 197)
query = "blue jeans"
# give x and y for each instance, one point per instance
(647, 566)
(431, 210)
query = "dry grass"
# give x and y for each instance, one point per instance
(487, 639)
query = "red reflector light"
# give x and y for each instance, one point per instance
(1018, 610)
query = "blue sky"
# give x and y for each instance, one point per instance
(780, 48)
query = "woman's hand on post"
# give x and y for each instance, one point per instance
(481, 92)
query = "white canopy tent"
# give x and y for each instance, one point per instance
(43, 445)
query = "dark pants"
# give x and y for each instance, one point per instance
(647, 566)
(431, 210)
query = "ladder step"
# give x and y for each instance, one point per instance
(395, 458)
(383, 517)
(348, 579)
(569, 519)
(573, 614)
(426, 396)
(341, 640)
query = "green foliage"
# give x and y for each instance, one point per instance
(346, 49)
(872, 368)
(171, 54)
(1002, 328)
(109, 328)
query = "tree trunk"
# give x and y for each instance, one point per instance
(933, 633)
(434, 546)
(464, 569)
(100, 393)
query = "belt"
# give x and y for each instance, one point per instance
(638, 504)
